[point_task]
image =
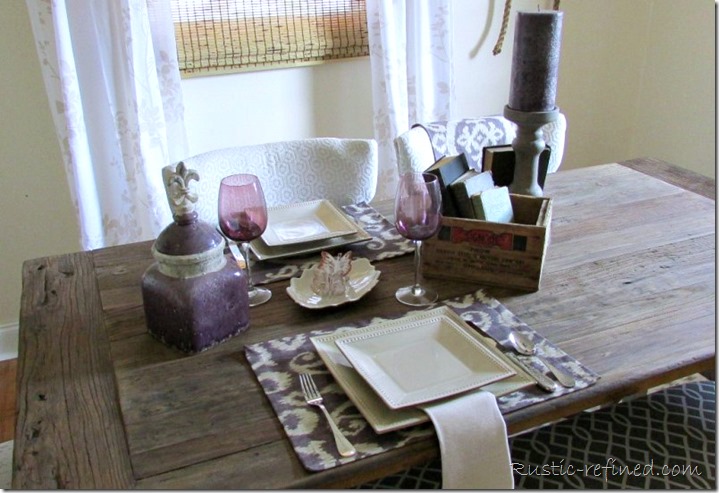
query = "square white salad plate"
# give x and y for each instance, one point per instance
(413, 361)
(306, 221)
(381, 417)
(264, 252)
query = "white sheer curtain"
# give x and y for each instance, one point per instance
(111, 76)
(412, 76)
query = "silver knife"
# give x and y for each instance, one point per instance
(543, 381)
(235, 250)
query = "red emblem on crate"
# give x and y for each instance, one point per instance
(482, 238)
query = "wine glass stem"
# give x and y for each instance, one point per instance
(246, 254)
(417, 289)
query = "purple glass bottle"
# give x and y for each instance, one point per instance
(193, 296)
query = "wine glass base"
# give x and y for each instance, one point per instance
(416, 296)
(258, 296)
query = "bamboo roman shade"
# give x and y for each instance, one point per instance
(239, 35)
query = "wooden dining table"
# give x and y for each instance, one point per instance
(628, 289)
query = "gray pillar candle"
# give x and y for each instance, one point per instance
(535, 61)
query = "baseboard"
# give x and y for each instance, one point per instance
(8, 341)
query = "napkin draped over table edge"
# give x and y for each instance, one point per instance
(473, 442)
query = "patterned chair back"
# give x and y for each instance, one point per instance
(343, 171)
(469, 136)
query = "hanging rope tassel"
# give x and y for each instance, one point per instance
(505, 21)
(503, 31)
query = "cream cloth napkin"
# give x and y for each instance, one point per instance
(472, 441)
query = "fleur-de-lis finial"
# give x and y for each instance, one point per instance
(177, 186)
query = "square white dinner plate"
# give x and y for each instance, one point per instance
(411, 361)
(306, 221)
(381, 417)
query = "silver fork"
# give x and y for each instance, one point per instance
(314, 398)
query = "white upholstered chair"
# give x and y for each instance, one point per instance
(423, 144)
(343, 171)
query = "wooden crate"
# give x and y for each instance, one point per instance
(498, 254)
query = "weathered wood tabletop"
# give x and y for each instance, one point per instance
(628, 289)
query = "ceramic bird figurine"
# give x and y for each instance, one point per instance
(331, 276)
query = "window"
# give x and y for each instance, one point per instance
(238, 35)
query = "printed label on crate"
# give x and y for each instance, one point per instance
(483, 238)
(475, 262)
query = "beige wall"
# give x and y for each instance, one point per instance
(636, 78)
(328, 100)
(37, 215)
(600, 78)
(676, 108)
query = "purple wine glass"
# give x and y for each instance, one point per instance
(242, 215)
(418, 216)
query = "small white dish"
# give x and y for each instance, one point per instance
(413, 361)
(362, 278)
(306, 221)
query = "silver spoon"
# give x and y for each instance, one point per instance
(523, 346)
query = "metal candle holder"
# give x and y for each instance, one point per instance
(528, 145)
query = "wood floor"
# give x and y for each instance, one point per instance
(7, 399)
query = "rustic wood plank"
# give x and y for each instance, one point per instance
(681, 177)
(259, 469)
(584, 190)
(622, 290)
(69, 431)
(120, 282)
(200, 408)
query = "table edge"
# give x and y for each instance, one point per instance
(73, 391)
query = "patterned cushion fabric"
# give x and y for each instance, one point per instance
(469, 136)
(414, 150)
(341, 170)
(665, 440)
